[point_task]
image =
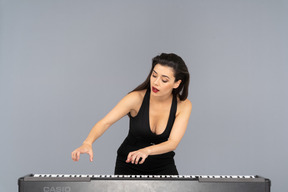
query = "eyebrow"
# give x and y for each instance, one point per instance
(162, 75)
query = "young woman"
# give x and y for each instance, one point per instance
(159, 112)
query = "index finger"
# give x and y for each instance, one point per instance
(129, 157)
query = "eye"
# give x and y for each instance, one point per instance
(154, 75)
(164, 80)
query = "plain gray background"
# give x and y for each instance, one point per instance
(66, 63)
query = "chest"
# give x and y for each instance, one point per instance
(158, 118)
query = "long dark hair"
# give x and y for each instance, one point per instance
(180, 73)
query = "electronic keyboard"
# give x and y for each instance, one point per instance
(139, 183)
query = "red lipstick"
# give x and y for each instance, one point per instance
(154, 90)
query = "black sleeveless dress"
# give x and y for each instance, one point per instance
(141, 136)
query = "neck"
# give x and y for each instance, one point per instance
(161, 99)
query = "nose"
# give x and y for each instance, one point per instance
(156, 81)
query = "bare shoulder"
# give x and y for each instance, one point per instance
(134, 100)
(184, 107)
(136, 96)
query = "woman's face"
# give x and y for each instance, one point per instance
(162, 80)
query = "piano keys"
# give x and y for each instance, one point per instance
(139, 183)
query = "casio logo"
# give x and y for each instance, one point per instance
(57, 189)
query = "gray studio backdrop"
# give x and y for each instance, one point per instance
(66, 63)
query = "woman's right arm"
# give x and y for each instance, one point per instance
(126, 105)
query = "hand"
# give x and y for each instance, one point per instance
(85, 148)
(136, 157)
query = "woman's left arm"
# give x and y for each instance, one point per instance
(177, 132)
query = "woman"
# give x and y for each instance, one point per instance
(159, 112)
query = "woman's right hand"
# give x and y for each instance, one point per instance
(85, 148)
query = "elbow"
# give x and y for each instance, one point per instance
(105, 124)
(174, 148)
(173, 145)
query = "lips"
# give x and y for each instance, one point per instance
(155, 90)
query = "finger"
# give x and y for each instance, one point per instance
(142, 160)
(74, 156)
(77, 156)
(132, 158)
(91, 155)
(129, 157)
(137, 159)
